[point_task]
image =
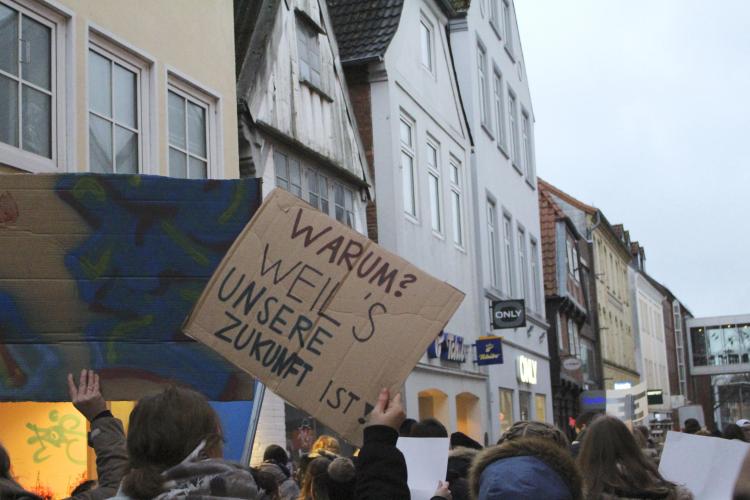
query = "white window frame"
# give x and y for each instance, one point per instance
(495, 17)
(213, 102)
(62, 126)
(289, 160)
(456, 188)
(535, 275)
(338, 184)
(502, 132)
(434, 172)
(522, 262)
(515, 151)
(508, 28)
(528, 146)
(410, 151)
(492, 240)
(509, 281)
(321, 195)
(482, 82)
(425, 24)
(118, 51)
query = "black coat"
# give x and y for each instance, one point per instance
(381, 468)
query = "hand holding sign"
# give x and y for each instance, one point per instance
(319, 313)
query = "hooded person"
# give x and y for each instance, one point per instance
(174, 446)
(457, 476)
(275, 462)
(525, 468)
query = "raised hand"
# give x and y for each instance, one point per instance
(86, 397)
(387, 411)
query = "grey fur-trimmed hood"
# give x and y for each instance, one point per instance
(544, 450)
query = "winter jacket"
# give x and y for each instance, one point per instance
(288, 489)
(11, 490)
(525, 469)
(107, 437)
(459, 463)
(381, 468)
(207, 479)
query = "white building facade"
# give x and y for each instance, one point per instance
(651, 349)
(420, 148)
(507, 243)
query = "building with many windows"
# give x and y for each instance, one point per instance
(85, 88)
(610, 250)
(573, 346)
(400, 71)
(495, 93)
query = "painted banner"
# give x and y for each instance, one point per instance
(101, 270)
(320, 314)
(489, 351)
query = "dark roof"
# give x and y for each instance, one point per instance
(364, 28)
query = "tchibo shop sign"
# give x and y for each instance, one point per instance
(526, 368)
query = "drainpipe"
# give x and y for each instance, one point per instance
(590, 242)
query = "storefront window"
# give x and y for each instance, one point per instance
(720, 345)
(540, 403)
(506, 409)
(524, 405)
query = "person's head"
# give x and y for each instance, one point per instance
(611, 460)
(734, 431)
(165, 429)
(530, 428)
(691, 426)
(429, 428)
(326, 443)
(4, 464)
(584, 420)
(406, 426)
(640, 439)
(275, 453)
(267, 483)
(643, 430)
(703, 432)
(85, 486)
(328, 479)
(461, 440)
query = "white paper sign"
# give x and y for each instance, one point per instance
(426, 464)
(708, 466)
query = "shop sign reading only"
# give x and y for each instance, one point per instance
(508, 314)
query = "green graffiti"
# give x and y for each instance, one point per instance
(184, 242)
(95, 269)
(62, 434)
(239, 195)
(134, 180)
(89, 185)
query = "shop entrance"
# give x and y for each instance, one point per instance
(433, 403)
(468, 415)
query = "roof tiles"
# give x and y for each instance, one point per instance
(364, 28)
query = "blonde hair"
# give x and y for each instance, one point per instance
(326, 443)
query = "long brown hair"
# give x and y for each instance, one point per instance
(164, 430)
(612, 462)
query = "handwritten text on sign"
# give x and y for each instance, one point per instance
(320, 314)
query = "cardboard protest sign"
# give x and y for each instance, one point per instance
(426, 464)
(707, 466)
(100, 271)
(319, 313)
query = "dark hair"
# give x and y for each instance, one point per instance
(266, 482)
(530, 428)
(429, 428)
(85, 486)
(4, 463)
(733, 431)
(328, 479)
(691, 426)
(585, 418)
(164, 429)
(459, 439)
(406, 426)
(611, 462)
(275, 453)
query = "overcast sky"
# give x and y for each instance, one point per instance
(643, 109)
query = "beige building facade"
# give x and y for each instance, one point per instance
(87, 86)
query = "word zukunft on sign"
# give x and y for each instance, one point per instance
(319, 313)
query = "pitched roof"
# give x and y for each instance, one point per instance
(364, 28)
(566, 197)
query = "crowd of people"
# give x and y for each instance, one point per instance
(173, 449)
